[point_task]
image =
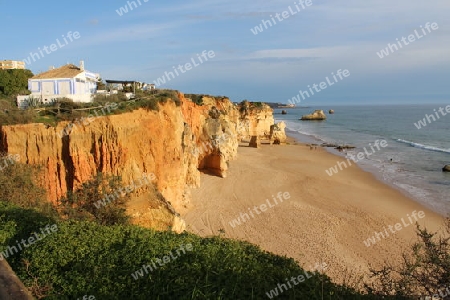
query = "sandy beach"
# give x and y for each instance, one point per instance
(326, 218)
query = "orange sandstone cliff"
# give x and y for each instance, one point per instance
(173, 143)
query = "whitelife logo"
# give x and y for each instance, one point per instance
(53, 47)
(8, 160)
(360, 156)
(443, 292)
(320, 87)
(87, 297)
(47, 230)
(281, 287)
(391, 48)
(131, 5)
(72, 126)
(394, 228)
(121, 192)
(263, 207)
(266, 24)
(431, 118)
(161, 262)
(187, 67)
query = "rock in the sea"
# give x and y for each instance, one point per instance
(277, 133)
(284, 112)
(329, 145)
(344, 147)
(446, 168)
(331, 111)
(316, 115)
(255, 141)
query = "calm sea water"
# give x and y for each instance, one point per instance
(418, 155)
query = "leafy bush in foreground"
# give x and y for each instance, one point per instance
(84, 258)
(425, 269)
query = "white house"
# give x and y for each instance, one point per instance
(148, 86)
(68, 81)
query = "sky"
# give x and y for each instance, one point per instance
(309, 44)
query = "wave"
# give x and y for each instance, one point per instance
(425, 147)
(298, 129)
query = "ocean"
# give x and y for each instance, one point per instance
(418, 155)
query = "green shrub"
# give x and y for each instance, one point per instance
(150, 104)
(14, 116)
(164, 95)
(197, 99)
(18, 184)
(101, 99)
(84, 203)
(14, 82)
(67, 104)
(86, 258)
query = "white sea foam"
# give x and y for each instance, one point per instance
(426, 147)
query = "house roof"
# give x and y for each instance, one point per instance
(67, 71)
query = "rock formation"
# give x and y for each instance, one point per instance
(331, 111)
(173, 143)
(316, 115)
(255, 142)
(344, 147)
(446, 168)
(284, 112)
(255, 120)
(277, 133)
(10, 285)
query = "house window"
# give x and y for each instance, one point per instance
(35, 86)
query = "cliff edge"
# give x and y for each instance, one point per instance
(174, 143)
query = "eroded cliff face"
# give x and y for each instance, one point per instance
(172, 143)
(255, 120)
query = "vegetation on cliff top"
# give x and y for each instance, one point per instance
(13, 82)
(246, 107)
(197, 99)
(65, 109)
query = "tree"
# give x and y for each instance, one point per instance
(14, 82)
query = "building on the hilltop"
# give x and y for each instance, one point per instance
(126, 86)
(68, 81)
(120, 85)
(148, 86)
(11, 64)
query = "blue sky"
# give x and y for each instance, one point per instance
(271, 66)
